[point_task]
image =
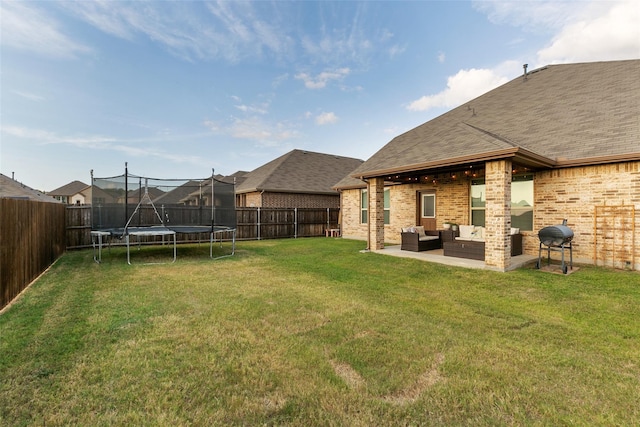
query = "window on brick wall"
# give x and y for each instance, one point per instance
(521, 202)
(387, 206)
(364, 206)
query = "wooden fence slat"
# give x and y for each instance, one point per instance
(32, 237)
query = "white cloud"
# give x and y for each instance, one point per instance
(326, 118)
(254, 109)
(26, 27)
(534, 16)
(464, 86)
(610, 36)
(211, 125)
(581, 31)
(131, 146)
(255, 129)
(321, 80)
(28, 95)
(441, 57)
(396, 50)
(597, 31)
(229, 30)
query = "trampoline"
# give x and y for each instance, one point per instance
(150, 210)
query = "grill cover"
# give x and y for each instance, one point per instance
(555, 235)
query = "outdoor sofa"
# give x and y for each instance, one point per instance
(470, 243)
(418, 239)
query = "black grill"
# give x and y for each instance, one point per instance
(556, 238)
(555, 235)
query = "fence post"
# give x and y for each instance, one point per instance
(295, 223)
(258, 223)
(328, 219)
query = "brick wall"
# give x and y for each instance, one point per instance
(452, 204)
(571, 193)
(574, 194)
(497, 247)
(291, 200)
(253, 200)
(351, 228)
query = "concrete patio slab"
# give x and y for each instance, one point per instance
(437, 256)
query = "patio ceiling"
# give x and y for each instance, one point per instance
(435, 175)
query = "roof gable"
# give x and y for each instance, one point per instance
(70, 189)
(558, 115)
(299, 171)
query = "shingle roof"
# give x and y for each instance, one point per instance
(12, 189)
(299, 171)
(70, 189)
(560, 115)
(179, 193)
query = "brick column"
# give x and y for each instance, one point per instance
(376, 213)
(498, 214)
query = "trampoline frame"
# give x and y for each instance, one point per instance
(99, 236)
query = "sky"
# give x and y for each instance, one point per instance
(181, 89)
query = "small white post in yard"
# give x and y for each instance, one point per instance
(295, 223)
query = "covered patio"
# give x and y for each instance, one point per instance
(437, 256)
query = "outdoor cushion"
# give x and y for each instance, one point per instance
(478, 234)
(420, 231)
(425, 238)
(465, 231)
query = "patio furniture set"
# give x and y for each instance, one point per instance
(467, 242)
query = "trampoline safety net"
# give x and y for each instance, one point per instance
(127, 201)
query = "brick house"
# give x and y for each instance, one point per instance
(73, 193)
(297, 179)
(559, 142)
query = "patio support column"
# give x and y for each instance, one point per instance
(498, 214)
(376, 213)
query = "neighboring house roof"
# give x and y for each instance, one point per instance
(12, 189)
(237, 177)
(135, 196)
(178, 194)
(70, 189)
(556, 116)
(299, 171)
(99, 194)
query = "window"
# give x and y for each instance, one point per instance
(364, 206)
(478, 201)
(428, 206)
(521, 202)
(387, 206)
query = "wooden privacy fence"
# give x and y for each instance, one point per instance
(32, 237)
(252, 224)
(273, 223)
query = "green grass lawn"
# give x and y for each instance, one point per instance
(313, 332)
